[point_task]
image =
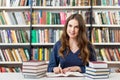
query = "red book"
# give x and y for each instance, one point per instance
(33, 63)
(98, 64)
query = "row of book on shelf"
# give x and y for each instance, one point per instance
(15, 17)
(99, 35)
(106, 2)
(56, 17)
(103, 35)
(10, 69)
(46, 35)
(61, 3)
(21, 54)
(76, 3)
(108, 54)
(17, 55)
(23, 36)
(14, 36)
(99, 17)
(106, 17)
(11, 3)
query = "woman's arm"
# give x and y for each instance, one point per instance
(54, 58)
(118, 70)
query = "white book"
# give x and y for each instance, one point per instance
(35, 67)
(7, 3)
(67, 74)
(98, 73)
(97, 77)
(2, 56)
(97, 69)
(18, 55)
(98, 64)
(33, 70)
(33, 63)
(7, 18)
(34, 76)
(5, 36)
(6, 51)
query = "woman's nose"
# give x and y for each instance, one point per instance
(73, 29)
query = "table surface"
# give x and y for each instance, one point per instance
(19, 76)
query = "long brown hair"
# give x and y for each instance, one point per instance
(81, 39)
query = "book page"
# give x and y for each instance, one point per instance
(67, 74)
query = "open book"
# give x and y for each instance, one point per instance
(67, 74)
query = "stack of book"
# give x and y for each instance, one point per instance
(97, 70)
(34, 69)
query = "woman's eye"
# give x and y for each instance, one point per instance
(76, 27)
(70, 25)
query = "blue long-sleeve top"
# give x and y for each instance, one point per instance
(71, 59)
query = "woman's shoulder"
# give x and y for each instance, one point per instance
(57, 44)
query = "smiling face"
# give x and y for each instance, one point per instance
(73, 29)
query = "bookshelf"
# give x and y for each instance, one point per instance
(108, 42)
(14, 34)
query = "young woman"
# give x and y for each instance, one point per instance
(73, 51)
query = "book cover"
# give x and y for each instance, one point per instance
(98, 64)
(34, 62)
(97, 73)
(97, 69)
(97, 77)
(35, 67)
(34, 70)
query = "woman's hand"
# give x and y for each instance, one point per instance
(57, 70)
(72, 69)
(118, 70)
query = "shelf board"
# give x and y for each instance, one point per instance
(15, 8)
(42, 44)
(14, 44)
(51, 26)
(109, 26)
(105, 44)
(61, 7)
(15, 26)
(107, 7)
(113, 62)
(10, 62)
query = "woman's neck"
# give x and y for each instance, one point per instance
(72, 42)
(73, 45)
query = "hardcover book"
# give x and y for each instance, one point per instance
(98, 64)
(67, 74)
(97, 69)
(33, 62)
